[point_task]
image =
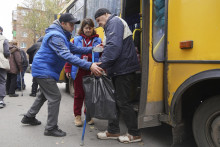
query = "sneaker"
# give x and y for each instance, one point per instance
(107, 135)
(30, 121)
(13, 95)
(78, 121)
(129, 138)
(91, 122)
(2, 104)
(56, 132)
(32, 94)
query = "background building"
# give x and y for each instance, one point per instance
(20, 33)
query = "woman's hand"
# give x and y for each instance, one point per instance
(68, 75)
(99, 48)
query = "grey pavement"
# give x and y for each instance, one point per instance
(15, 134)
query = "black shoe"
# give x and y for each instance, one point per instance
(32, 94)
(55, 132)
(18, 89)
(13, 95)
(30, 121)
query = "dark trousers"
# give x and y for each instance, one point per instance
(3, 74)
(34, 86)
(123, 88)
(48, 91)
(19, 79)
(11, 83)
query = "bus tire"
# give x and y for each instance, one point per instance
(71, 88)
(206, 123)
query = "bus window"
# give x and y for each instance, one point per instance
(92, 6)
(78, 11)
(158, 29)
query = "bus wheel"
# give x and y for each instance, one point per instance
(71, 88)
(206, 123)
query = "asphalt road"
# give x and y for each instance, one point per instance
(14, 134)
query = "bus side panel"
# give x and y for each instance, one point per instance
(196, 20)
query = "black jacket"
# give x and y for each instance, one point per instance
(119, 56)
(33, 49)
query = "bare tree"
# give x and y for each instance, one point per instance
(40, 15)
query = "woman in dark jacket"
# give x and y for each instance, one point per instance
(15, 67)
(87, 37)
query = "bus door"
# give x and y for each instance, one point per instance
(146, 21)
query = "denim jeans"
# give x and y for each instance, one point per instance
(19, 79)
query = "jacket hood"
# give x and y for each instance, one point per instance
(40, 39)
(56, 26)
(89, 37)
(13, 48)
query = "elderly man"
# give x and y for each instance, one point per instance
(119, 58)
(4, 65)
(48, 62)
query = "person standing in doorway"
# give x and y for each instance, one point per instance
(119, 58)
(87, 37)
(4, 65)
(56, 49)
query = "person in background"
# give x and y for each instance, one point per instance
(31, 52)
(4, 55)
(15, 68)
(56, 49)
(119, 58)
(87, 37)
(20, 76)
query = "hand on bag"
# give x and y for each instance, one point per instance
(95, 69)
(68, 75)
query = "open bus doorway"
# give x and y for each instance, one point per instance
(132, 15)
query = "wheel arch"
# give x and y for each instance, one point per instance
(176, 111)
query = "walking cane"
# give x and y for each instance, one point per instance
(96, 49)
(83, 133)
(21, 84)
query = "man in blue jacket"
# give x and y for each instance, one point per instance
(119, 58)
(48, 62)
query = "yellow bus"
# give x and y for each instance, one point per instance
(179, 81)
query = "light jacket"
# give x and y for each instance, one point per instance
(78, 41)
(4, 53)
(55, 51)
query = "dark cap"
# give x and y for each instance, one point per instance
(1, 28)
(101, 12)
(68, 17)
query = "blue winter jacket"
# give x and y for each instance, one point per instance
(119, 56)
(78, 41)
(56, 49)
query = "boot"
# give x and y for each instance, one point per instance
(78, 121)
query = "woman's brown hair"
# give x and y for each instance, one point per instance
(89, 22)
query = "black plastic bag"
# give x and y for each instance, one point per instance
(100, 97)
